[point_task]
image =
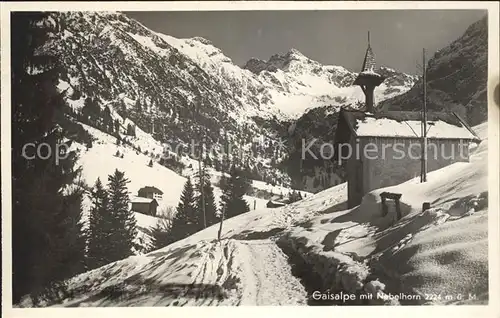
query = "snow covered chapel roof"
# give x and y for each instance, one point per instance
(404, 124)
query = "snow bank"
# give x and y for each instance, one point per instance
(435, 252)
(450, 259)
(338, 271)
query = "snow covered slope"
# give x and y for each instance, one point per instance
(357, 250)
(442, 251)
(118, 56)
(177, 90)
(208, 273)
(101, 160)
(245, 268)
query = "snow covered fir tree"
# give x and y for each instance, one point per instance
(160, 171)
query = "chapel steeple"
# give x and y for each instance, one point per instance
(368, 79)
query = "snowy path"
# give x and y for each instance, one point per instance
(230, 272)
(267, 276)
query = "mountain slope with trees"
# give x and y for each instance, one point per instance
(457, 77)
(179, 90)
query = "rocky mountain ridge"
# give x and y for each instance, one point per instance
(456, 78)
(180, 90)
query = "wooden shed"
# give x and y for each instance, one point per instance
(146, 206)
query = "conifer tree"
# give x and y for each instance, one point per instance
(294, 196)
(117, 126)
(185, 220)
(91, 110)
(161, 234)
(130, 130)
(75, 236)
(122, 107)
(123, 220)
(46, 213)
(233, 190)
(210, 205)
(107, 120)
(208, 199)
(100, 228)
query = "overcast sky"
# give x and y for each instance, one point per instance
(330, 37)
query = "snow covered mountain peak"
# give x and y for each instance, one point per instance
(201, 40)
(312, 84)
(285, 62)
(120, 56)
(292, 55)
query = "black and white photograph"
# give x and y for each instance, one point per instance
(248, 157)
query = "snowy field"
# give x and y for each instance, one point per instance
(100, 161)
(443, 249)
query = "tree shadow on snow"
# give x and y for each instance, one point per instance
(172, 253)
(127, 291)
(252, 235)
